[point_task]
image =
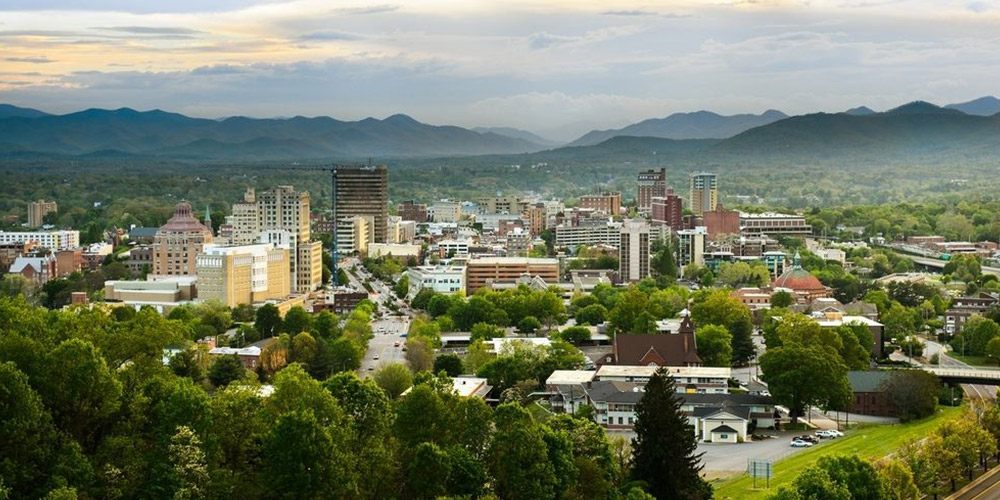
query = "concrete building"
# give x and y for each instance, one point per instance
(773, 223)
(704, 192)
(633, 251)
(487, 271)
(537, 217)
(453, 248)
(666, 210)
(609, 203)
(518, 241)
(178, 242)
(595, 233)
(412, 211)
(363, 190)
(354, 234)
(68, 261)
(52, 240)
(140, 258)
(400, 231)
(691, 246)
(244, 274)
(509, 205)
(441, 279)
(160, 294)
(37, 210)
(687, 379)
(652, 184)
(398, 251)
(445, 211)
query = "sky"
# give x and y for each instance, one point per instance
(557, 68)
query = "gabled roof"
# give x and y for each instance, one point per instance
(676, 349)
(724, 428)
(870, 381)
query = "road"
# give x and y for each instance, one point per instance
(986, 487)
(388, 344)
(973, 391)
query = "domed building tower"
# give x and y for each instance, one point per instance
(801, 283)
(178, 242)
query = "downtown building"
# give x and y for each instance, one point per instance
(53, 240)
(633, 251)
(362, 190)
(667, 210)
(178, 243)
(609, 203)
(244, 274)
(37, 210)
(651, 184)
(704, 192)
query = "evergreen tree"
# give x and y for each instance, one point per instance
(664, 447)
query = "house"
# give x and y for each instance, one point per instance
(870, 394)
(671, 349)
(37, 269)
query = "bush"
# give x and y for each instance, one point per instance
(575, 334)
(529, 324)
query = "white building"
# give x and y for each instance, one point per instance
(633, 251)
(453, 248)
(395, 250)
(445, 211)
(441, 279)
(607, 233)
(354, 234)
(691, 246)
(688, 379)
(53, 240)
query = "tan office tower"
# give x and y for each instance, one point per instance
(37, 211)
(243, 274)
(245, 220)
(283, 218)
(633, 252)
(363, 190)
(704, 192)
(652, 184)
(177, 244)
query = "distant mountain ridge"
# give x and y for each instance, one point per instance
(696, 125)
(9, 111)
(516, 133)
(984, 106)
(161, 133)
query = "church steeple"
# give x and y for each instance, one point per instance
(797, 261)
(208, 215)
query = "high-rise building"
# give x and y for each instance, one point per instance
(363, 190)
(666, 210)
(37, 211)
(633, 251)
(178, 243)
(652, 184)
(280, 216)
(510, 205)
(353, 235)
(243, 274)
(691, 246)
(536, 215)
(704, 192)
(609, 203)
(408, 210)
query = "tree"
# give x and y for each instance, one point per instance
(402, 287)
(812, 484)
(422, 298)
(327, 325)
(575, 334)
(898, 480)
(449, 363)
(428, 474)
(225, 370)
(304, 349)
(800, 377)
(184, 364)
(477, 355)
(913, 392)
(858, 476)
(79, 389)
(243, 313)
(627, 312)
(344, 355)
(268, 320)
(593, 314)
(529, 324)
(484, 331)
(518, 457)
(664, 446)
(300, 458)
(782, 299)
(714, 345)
(297, 320)
(189, 465)
(393, 378)
(718, 307)
(976, 334)
(419, 354)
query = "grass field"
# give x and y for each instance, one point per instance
(870, 442)
(973, 360)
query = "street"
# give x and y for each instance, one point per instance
(973, 391)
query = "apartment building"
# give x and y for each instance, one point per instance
(37, 210)
(53, 240)
(633, 251)
(704, 192)
(651, 184)
(609, 203)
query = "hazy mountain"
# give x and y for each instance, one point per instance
(860, 111)
(516, 133)
(984, 106)
(914, 128)
(8, 111)
(697, 125)
(161, 133)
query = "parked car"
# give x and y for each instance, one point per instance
(375, 356)
(396, 344)
(807, 438)
(798, 443)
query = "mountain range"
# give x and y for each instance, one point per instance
(917, 128)
(159, 133)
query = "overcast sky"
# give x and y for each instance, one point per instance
(558, 68)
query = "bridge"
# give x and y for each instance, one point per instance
(965, 375)
(939, 264)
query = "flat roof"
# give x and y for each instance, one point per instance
(512, 260)
(570, 377)
(647, 371)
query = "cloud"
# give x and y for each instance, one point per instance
(151, 30)
(328, 36)
(630, 13)
(374, 9)
(538, 41)
(33, 60)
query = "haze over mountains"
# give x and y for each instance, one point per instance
(971, 128)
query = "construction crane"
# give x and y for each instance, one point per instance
(333, 205)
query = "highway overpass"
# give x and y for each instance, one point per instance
(939, 264)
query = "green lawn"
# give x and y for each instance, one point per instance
(973, 360)
(870, 442)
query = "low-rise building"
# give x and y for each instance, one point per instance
(52, 240)
(243, 274)
(160, 294)
(674, 349)
(402, 252)
(487, 271)
(687, 379)
(963, 308)
(595, 233)
(773, 223)
(441, 279)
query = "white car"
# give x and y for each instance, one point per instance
(798, 443)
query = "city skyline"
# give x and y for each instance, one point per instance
(556, 68)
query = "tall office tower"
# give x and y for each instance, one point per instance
(363, 190)
(37, 211)
(704, 192)
(633, 252)
(666, 210)
(178, 242)
(652, 184)
(245, 221)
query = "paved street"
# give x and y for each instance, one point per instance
(972, 391)
(387, 344)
